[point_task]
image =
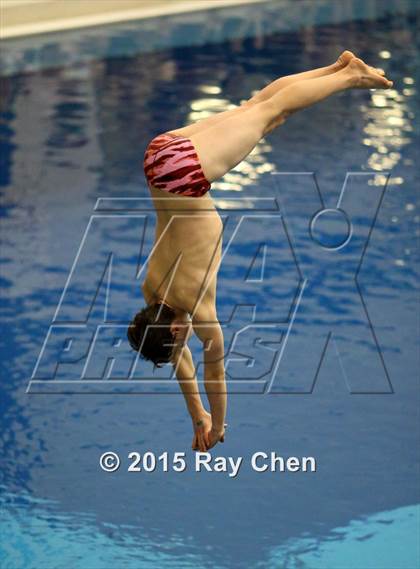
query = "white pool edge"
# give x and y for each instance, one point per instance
(91, 20)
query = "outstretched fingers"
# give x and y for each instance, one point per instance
(194, 444)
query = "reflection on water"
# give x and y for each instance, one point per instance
(386, 540)
(70, 135)
(388, 108)
(36, 529)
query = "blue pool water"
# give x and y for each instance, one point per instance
(339, 380)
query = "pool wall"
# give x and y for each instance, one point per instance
(197, 28)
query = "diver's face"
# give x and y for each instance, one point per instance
(181, 329)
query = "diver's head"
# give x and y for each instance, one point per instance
(157, 331)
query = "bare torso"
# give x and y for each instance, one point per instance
(185, 258)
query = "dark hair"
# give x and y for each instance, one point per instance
(149, 333)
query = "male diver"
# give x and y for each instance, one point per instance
(180, 284)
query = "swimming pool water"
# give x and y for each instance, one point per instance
(76, 133)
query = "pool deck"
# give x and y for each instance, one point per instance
(28, 17)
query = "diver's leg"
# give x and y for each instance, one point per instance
(272, 88)
(266, 93)
(261, 95)
(282, 82)
(222, 146)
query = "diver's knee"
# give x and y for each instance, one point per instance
(275, 118)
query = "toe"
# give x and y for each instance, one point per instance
(387, 84)
(378, 70)
(345, 57)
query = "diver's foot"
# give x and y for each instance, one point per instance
(363, 76)
(345, 58)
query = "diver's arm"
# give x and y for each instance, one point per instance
(185, 373)
(210, 333)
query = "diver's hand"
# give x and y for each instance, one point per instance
(215, 436)
(202, 428)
